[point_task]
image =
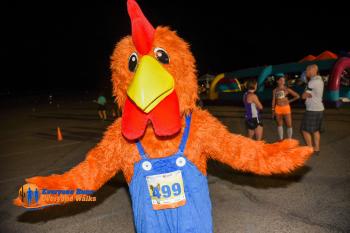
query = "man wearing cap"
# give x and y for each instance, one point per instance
(313, 116)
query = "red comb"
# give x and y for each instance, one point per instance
(142, 30)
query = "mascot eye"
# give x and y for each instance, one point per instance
(132, 62)
(161, 55)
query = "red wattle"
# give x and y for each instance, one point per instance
(165, 118)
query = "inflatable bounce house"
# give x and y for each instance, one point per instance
(335, 70)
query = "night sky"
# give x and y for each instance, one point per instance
(59, 44)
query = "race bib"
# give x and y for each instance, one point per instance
(166, 190)
(280, 95)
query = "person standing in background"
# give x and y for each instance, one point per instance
(253, 107)
(101, 101)
(312, 120)
(281, 106)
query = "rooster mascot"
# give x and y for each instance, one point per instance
(162, 141)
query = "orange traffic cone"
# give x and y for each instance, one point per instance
(59, 134)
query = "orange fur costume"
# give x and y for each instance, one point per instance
(208, 138)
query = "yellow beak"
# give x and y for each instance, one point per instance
(150, 85)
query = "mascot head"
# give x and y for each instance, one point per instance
(154, 78)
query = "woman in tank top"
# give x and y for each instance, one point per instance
(280, 106)
(252, 111)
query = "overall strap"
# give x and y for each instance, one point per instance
(141, 150)
(183, 140)
(185, 133)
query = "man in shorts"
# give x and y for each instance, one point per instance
(313, 116)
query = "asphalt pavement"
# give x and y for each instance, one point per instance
(314, 199)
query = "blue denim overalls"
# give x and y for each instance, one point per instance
(170, 195)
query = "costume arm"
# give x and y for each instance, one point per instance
(100, 165)
(247, 155)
